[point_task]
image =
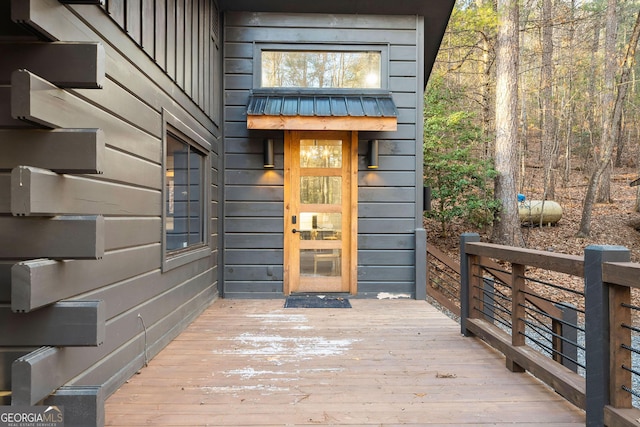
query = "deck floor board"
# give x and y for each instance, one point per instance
(382, 362)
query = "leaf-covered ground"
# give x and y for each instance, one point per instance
(609, 226)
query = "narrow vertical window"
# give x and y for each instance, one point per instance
(184, 222)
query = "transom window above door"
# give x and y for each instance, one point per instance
(321, 87)
(354, 67)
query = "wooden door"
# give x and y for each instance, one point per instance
(320, 211)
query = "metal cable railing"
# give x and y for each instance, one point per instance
(552, 327)
(633, 347)
(568, 308)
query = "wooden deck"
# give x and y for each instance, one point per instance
(382, 362)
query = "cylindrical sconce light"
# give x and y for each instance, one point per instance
(268, 154)
(372, 155)
(426, 199)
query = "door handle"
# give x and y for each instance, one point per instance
(294, 231)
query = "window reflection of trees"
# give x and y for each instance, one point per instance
(320, 154)
(320, 189)
(316, 69)
(324, 190)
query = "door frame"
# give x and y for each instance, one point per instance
(351, 254)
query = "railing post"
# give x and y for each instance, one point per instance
(422, 268)
(465, 280)
(597, 337)
(567, 336)
(518, 312)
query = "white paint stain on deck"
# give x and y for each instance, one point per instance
(279, 318)
(235, 389)
(387, 295)
(293, 348)
(248, 373)
(280, 350)
(290, 348)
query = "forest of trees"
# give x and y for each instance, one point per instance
(550, 83)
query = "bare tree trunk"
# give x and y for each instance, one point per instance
(624, 84)
(591, 122)
(603, 158)
(604, 183)
(506, 228)
(614, 118)
(524, 119)
(637, 204)
(549, 142)
(570, 103)
(486, 71)
(620, 142)
(610, 68)
(620, 145)
(486, 91)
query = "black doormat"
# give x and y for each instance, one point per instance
(316, 301)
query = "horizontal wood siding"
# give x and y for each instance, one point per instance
(387, 197)
(81, 188)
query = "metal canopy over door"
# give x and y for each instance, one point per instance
(320, 211)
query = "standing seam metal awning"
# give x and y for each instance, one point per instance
(322, 111)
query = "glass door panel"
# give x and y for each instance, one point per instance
(321, 190)
(320, 208)
(320, 211)
(320, 154)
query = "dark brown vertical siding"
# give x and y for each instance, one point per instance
(172, 42)
(160, 34)
(215, 86)
(148, 23)
(187, 60)
(180, 37)
(195, 50)
(202, 41)
(133, 20)
(206, 66)
(116, 9)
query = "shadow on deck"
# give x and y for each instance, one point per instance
(382, 362)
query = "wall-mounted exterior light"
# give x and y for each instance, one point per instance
(268, 154)
(372, 155)
(426, 199)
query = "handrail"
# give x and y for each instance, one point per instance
(605, 391)
(563, 263)
(621, 273)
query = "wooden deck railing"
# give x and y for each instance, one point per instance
(572, 329)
